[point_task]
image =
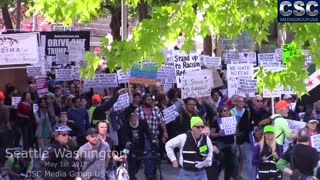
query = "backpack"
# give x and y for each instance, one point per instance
(258, 133)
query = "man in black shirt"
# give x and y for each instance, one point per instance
(305, 158)
(183, 120)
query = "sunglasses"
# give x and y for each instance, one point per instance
(64, 134)
(198, 127)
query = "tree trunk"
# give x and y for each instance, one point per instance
(207, 45)
(143, 10)
(6, 18)
(115, 23)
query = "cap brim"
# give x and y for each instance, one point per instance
(314, 120)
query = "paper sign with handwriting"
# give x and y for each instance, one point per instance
(247, 85)
(247, 57)
(197, 84)
(170, 114)
(234, 72)
(122, 102)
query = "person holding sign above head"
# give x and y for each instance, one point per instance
(225, 143)
(266, 155)
(195, 149)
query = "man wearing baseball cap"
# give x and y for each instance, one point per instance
(280, 124)
(196, 151)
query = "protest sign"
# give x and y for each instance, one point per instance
(308, 58)
(234, 72)
(33, 71)
(41, 85)
(108, 80)
(123, 77)
(278, 53)
(315, 142)
(75, 73)
(122, 102)
(230, 57)
(19, 48)
(65, 47)
(170, 114)
(167, 87)
(145, 73)
(288, 51)
(227, 125)
(15, 101)
(217, 81)
(63, 75)
(166, 73)
(209, 61)
(247, 85)
(91, 83)
(35, 108)
(296, 125)
(268, 60)
(184, 63)
(248, 57)
(197, 84)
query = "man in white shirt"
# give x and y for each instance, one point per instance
(196, 152)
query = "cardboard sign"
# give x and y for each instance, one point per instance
(19, 48)
(315, 142)
(197, 84)
(236, 71)
(41, 85)
(33, 71)
(288, 51)
(184, 63)
(63, 75)
(144, 74)
(15, 101)
(123, 77)
(248, 57)
(170, 114)
(227, 125)
(247, 85)
(122, 102)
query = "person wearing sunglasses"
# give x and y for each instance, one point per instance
(195, 149)
(57, 159)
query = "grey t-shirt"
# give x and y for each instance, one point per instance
(92, 162)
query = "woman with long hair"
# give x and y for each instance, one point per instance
(24, 117)
(266, 154)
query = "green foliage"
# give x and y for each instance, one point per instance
(222, 17)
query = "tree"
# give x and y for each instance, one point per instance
(223, 17)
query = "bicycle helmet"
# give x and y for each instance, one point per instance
(60, 128)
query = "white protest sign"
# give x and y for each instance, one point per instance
(166, 72)
(296, 125)
(308, 58)
(167, 87)
(91, 83)
(315, 142)
(76, 51)
(75, 72)
(212, 62)
(228, 125)
(247, 57)
(123, 77)
(35, 108)
(108, 80)
(33, 71)
(61, 58)
(19, 48)
(278, 53)
(170, 114)
(184, 63)
(268, 60)
(122, 102)
(15, 101)
(247, 85)
(197, 84)
(234, 72)
(63, 75)
(230, 57)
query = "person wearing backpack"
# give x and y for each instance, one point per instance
(18, 165)
(266, 155)
(280, 124)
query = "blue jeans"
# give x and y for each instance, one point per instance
(110, 175)
(189, 175)
(229, 163)
(149, 166)
(248, 171)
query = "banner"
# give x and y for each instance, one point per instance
(145, 73)
(123, 77)
(184, 63)
(65, 47)
(122, 102)
(170, 114)
(227, 125)
(234, 72)
(315, 142)
(19, 48)
(197, 84)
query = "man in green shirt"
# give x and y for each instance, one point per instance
(280, 124)
(17, 165)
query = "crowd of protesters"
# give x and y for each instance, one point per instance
(72, 119)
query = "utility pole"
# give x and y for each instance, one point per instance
(34, 21)
(124, 20)
(18, 15)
